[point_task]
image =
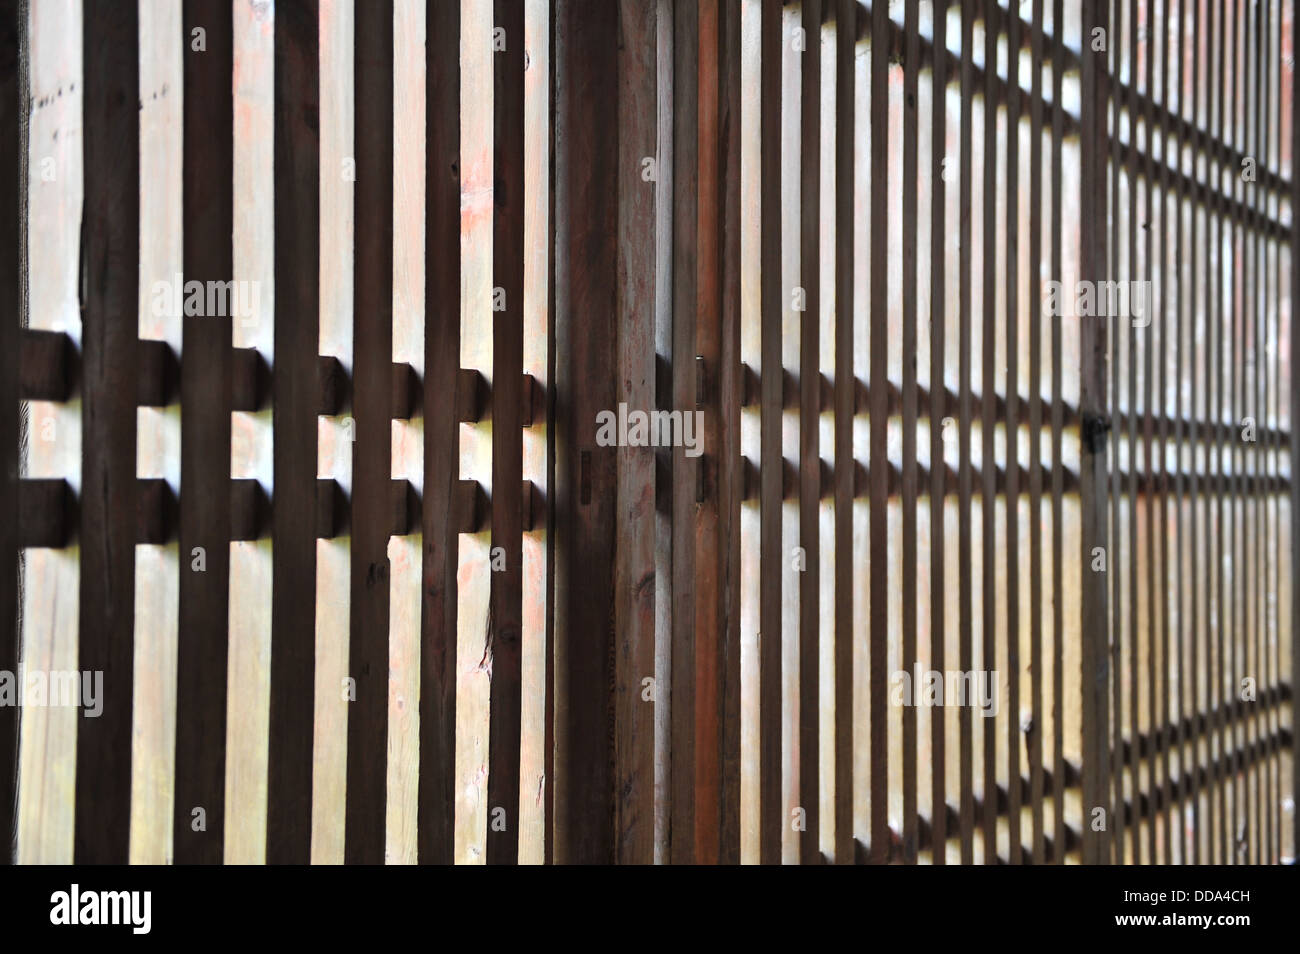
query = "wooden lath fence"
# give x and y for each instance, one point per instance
(611, 430)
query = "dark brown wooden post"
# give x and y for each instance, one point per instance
(110, 251)
(203, 614)
(372, 356)
(294, 397)
(1094, 423)
(437, 783)
(504, 651)
(587, 177)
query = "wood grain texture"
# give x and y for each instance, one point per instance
(110, 252)
(730, 478)
(683, 394)
(879, 843)
(436, 796)
(202, 613)
(809, 582)
(372, 355)
(294, 398)
(1093, 411)
(909, 290)
(964, 416)
(587, 183)
(771, 814)
(503, 654)
(940, 280)
(845, 411)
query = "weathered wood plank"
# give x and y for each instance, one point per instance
(503, 654)
(710, 542)
(879, 632)
(964, 416)
(202, 613)
(372, 386)
(436, 796)
(682, 100)
(1093, 411)
(939, 281)
(587, 183)
(1012, 263)
(910, 357)
(988, 425)
(806, 190)
(1058, 422)
(729, 474)
(110, 250)
(771, 816)
(1038, 716)
(535, 633)
(294, 396)
(845, 410)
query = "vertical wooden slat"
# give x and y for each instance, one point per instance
(1172, 642)
(1234, 328)
(1148, 335)
(1011, 208)
(1258, 452)
(587, 183)
(771, 556)
(1183, 634)
(503, 653)
(638, 575)
(109, 253)
(1219, 343)
(1129, 404)
(845, 409)
(938, 390)
(1058, 423)
(535, 633)
(1272, 407)
(1113, 558)
(208, 208)
(1294, 355)
(481, 297)
(657, 109)
(686, 240)
(988, 420)
(1264, 295)
(792, 281)
(879, 410)
(441, 435)
(730, 473)
(710, 540)
(1093, 412)
(1252, 280)
(1194, 372)
(909, 483)
(1145, 429)
(1034, 735)
(1203, 819)
(1164, 583)
(294, 390)
(964, 417)
(751, 353)
(372, 356)
(13, 130)
(1282, 293)
(810, 383)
